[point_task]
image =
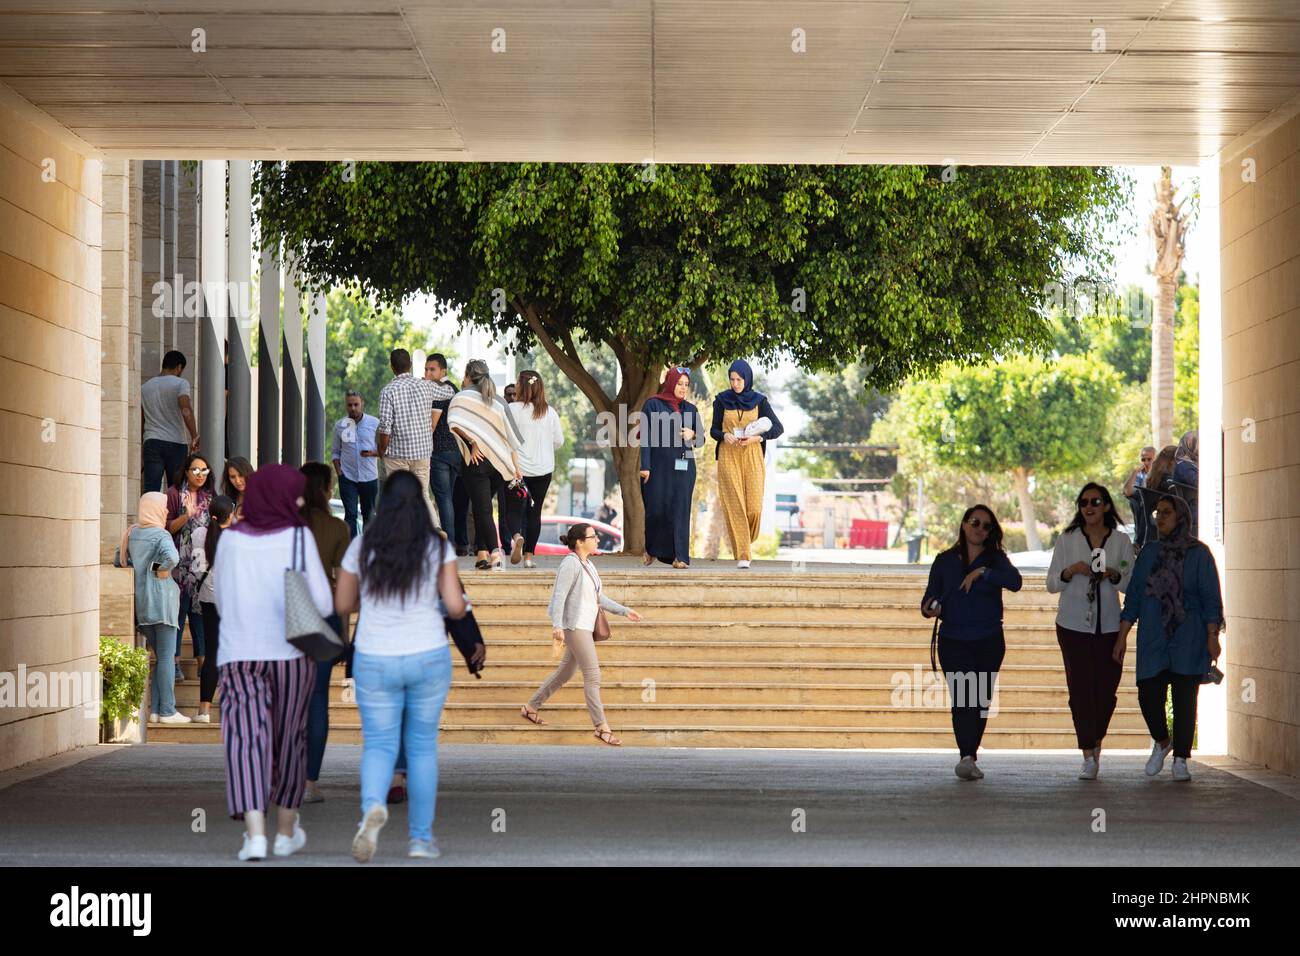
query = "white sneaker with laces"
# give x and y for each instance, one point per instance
(288, 846)
(153, 718)
(1181, 773)
(423, 850)
(1089, 771)
(254, 848)
(367, 838)
(1156, 762)
(176, 718)
(203, 718)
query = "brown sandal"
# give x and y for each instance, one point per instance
(607, 736)
(533, 716)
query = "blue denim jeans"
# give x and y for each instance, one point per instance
(400, 699)
(159, 462)
(352, 493)
(444, 466)
(193, 613)
(162, 677)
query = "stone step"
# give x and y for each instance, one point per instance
(880, 694)
(698, 736)
(516, 608)
(725, 670)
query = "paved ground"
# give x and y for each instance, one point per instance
(591, 805)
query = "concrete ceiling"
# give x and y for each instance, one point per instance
(879, 81)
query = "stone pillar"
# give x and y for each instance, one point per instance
(1259, 221)
(50, 327)
(156, 280)
(238, 337)
(184, 324)
(268, 359)
(291, 380)
(316, 379)
(216, 302)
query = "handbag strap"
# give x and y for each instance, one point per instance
(590, 575)
(298, 559)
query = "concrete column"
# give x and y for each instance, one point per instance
(115, 503)
(184, 324)
(157, 283)
(239, 411)
(316, 379)
(268, 358)
(291, 382)
(212, 372)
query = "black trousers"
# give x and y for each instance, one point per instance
(1151, 698)
(971, 669)
(211, 637)
(460, 505)
(481, 483)
(1093, 678)
(524, 518)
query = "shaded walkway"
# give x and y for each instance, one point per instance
(588, 805)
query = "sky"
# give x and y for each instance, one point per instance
(1132, 259)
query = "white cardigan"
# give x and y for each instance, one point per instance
(1076, 612)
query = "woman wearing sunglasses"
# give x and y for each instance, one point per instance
(1175, 599)
(1091, 564)
(670, 433)
(965, 594)
(187, 510)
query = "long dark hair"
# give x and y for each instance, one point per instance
(992, 543)
(1108, 518)
(320, 482)
(396, 543)
(219, 510)
(241, 465)
(178, 480)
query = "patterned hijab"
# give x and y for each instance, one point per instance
(745, 399)
(1165, 582)
(271, 500)
(665, 393)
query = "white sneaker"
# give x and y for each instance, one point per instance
(254, 848)
(153, 718)
(528, 563)
(976, 772)
(176, 718)
(1181, 773)
(288, 846)
(1156, 762)
(498, 561)
(1089, 771)
(423, 850)
(744, 565)
(203, 718)
(367, 838)
(967, 770)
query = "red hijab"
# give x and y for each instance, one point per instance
(665, 393)
(271, 500)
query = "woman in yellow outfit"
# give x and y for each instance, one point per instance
(743, 421)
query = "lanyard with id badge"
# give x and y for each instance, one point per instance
(681, 464)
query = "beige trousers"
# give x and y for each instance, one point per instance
(579, 652)
(420, 468)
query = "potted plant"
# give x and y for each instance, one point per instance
(125, 674)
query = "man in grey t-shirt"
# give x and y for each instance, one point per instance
(168, 430)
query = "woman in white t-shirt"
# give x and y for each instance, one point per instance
(395, 574)
(542, 434)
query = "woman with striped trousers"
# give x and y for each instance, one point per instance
(266, 682)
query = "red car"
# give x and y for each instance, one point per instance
(611, 538)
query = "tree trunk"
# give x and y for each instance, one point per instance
(1168, 233)
(1021, 478)
(627, 462)
(1162, 363)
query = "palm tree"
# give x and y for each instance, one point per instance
(1169, 233)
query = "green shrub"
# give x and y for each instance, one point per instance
(765, 546)
(125, 671)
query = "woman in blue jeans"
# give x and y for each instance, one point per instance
(149, 549)
(395, 574)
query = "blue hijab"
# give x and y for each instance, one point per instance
(745, 400)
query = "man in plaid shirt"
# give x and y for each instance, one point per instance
(406, 420)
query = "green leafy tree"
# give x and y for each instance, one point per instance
(841, 408)
(1021, 416)
(887, 265)
(1187, 361)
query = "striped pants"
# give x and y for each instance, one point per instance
(264, 730)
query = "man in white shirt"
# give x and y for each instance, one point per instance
(168, 431)
(356, 461)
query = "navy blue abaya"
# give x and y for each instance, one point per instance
(667, 492)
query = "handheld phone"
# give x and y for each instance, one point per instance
(933, 605)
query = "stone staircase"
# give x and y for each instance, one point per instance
(729, 659)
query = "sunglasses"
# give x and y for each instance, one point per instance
(683, 370)
(1090, 502)
(980, 523)
(199, 471)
